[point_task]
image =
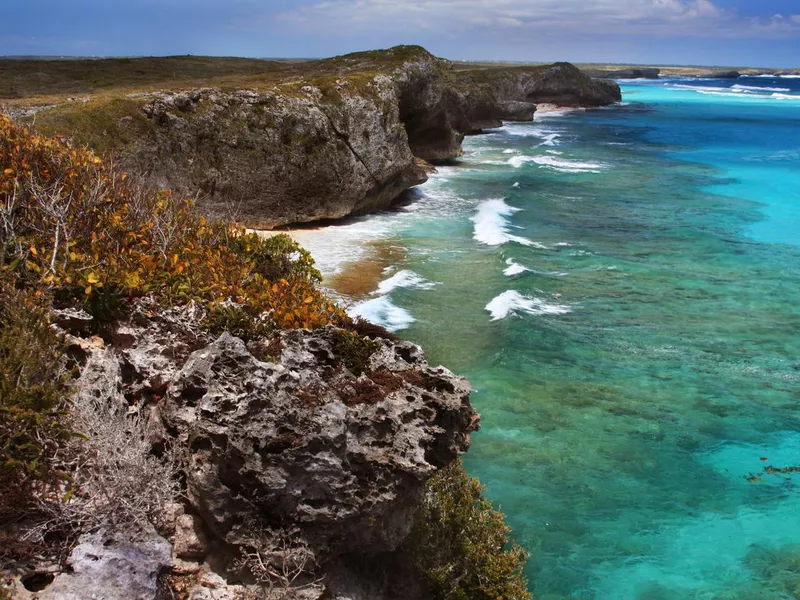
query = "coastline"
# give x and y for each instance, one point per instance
(353, 253)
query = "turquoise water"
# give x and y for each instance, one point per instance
(622, 288)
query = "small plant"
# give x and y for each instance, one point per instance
(280, 561)
(353, 351)
(239, 320)
(33, 398)
(461, 544)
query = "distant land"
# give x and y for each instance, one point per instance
(665, 68)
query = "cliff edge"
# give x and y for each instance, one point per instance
(316, 140)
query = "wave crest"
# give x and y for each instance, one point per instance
(512, 302)
(492, 225)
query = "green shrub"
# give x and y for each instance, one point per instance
(33, 398)
(460, 542)
(239, 320)
(353, 351)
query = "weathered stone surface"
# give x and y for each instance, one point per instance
(561, 83)
(336, 138)
(301, 451)
(111, 567)
(265, 159)
(189, 540)
(306, 443)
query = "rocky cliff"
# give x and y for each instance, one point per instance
(492, 95)
(310, 448)
(318, 141)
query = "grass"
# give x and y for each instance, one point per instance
(44, 82)
(86, 98)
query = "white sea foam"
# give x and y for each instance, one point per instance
(403, 279)
(518, 161)
(756, 88)
(382, 312)
(514, 268)
(510, 151)
(516, 184)
(491, 224)
(533, 130)
(550, 140)
(568, 166)
(512, 302)
(739, 91)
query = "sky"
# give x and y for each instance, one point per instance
(706, 32)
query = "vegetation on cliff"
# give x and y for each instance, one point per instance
(76, 234)
(462, 543)
(77, 229)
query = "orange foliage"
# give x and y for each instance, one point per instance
(74, 226)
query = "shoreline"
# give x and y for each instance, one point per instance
(353, 265)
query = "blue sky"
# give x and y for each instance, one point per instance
(712, 32)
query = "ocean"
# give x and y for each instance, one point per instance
(622, 288)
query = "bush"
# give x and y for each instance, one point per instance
(460, 542)
(79, 229)
(33, 400)
(353, 351)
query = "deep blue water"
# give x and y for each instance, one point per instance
(622, 287)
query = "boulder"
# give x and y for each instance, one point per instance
(110, 566)
(307, 444)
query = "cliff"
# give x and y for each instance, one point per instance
(316, 140)
(185, 414)
(513, 92)
(301, 455)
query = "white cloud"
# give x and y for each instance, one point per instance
(667, 18)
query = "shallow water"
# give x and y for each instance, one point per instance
(622, 287)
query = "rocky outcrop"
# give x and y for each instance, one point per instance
(307, 448)
(304, 443)
(628, 73)
(321, 140)
(266, 159)
(517, 90)
(725, 74)
(109, 566)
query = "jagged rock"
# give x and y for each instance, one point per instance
(512, 110)
(305, 443)
(332, 138)
(561, 83)
(725, 74)
(302, 448)
(189, 540)
(107, 566)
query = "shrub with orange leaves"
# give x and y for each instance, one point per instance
(75, 227)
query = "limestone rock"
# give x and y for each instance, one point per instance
(561, 84)
(111, 567)
(307, 444)
(189, 540)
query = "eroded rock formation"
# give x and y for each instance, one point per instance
(299, 447)
(328, 139)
